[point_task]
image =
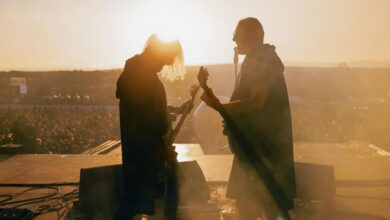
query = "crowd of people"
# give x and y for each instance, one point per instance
(61, 130)
(342, 123)
(74, 130)
(59, 99)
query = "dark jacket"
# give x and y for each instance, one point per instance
(143, 122)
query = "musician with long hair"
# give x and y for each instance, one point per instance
(148, 163)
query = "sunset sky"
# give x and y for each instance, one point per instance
(96, 34)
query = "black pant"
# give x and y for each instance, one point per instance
(148, 174)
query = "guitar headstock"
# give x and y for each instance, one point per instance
(203, 76)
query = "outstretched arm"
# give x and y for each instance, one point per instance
(257, 100)
(181, 109)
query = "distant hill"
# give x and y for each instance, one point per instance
(361, 64)
(337, 83)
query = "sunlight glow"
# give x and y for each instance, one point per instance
(173, 20)
(181, 150)
(166, 37)
(95, 34)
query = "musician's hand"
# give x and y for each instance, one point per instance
(187, 105)
(203, 76)
(172, 117)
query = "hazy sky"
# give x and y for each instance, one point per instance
(70, 34)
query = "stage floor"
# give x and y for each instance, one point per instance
(355, 161)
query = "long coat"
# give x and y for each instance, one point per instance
(269, 130)
(143, 122)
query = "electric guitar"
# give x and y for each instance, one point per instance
(193, 91)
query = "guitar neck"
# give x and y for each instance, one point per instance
(180, 123)
(217, 104)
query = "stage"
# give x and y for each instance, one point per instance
(361, 172)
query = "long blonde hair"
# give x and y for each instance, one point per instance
(175, 71)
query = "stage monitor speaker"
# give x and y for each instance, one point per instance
(314, 181)
(194, 189)
(101, 188)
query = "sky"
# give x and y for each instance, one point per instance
(102, 34)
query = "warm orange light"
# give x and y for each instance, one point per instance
(165, 36)
(174, 20)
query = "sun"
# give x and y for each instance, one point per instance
(172, 20)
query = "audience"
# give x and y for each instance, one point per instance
(72, 130)
(63, 130)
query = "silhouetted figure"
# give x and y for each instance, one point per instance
(147, 160)
(259, 106)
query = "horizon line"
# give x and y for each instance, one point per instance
(353, 64)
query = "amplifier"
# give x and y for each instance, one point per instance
(315, 181)
(101, 188)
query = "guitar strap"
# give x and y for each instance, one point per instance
(235, 60)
